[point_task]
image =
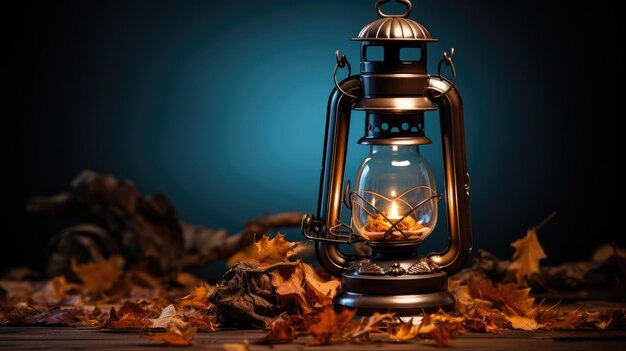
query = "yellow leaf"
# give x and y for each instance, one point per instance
(526, 258)
(99, 276)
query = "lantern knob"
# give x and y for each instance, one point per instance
(406, 14)
(394, 27)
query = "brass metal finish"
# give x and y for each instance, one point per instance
(456, 180)
(394, 92)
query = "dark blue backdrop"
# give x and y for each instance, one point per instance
(221, 106)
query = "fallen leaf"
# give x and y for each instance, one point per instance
(486, 320)
(240, 346)
(322, 290)
(53, 291)
(199, 297)
(130, 316)
(177, 332)
(266, 251)
(440, 327)
(99, 276)
(329, 326)
(405, 331)
(55, 316)
(280, 332)
(361, 330)
(16, 291)
(528, 253)
(519, 300)
(521, 321)
(288, 283)
(164, 318)
(202, 320)
(287, 327)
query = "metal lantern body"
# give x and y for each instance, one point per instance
(394, 202)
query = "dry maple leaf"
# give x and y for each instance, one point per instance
(405, 331)
(281, 331)
(329, 326)
(240, 346)
(53, 292)
(321, 290)
(164, 318)
(177, 332)
(486, 320)
(129, 316)
(16, 291)
(440, 327)
(519, 300)
(528, 252)
(288, 283)
(99, 276)
(202, 320)
(266, 251)
(360, 331)
(199, 298)
(521, 321)
(55, 316)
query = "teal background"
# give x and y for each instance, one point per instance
(221, 106)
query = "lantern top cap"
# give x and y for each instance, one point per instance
(394, 27)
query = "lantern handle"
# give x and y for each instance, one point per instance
(342, 62)
(447, 59)
(405, 14)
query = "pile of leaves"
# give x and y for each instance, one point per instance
(108, 297)
(268, 286)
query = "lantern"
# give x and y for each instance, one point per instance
(394, 201)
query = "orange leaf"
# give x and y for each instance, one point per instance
(199, 298)
(440, 327)
(361, 330)
(266, 251)
(330, 326)
(281, 331)
(501, 295)
(319, 289)
(288, 283)
(129, 316)
(526, 258)
(99, 276)
(406, 331)
(177, 332)
(202, 320)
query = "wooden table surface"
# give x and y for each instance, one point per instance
(52, 338)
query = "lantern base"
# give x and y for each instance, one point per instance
(394, 279)
(402, 305)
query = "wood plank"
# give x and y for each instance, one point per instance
(41, 338)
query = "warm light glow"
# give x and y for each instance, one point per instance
(400, 163)
(393, 211)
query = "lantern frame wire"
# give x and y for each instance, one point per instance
(345, 234)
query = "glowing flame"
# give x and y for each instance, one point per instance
(393, 211)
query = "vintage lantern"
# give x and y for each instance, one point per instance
(394, 202)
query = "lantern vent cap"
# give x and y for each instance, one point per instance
(394, 27)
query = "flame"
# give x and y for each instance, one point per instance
(393, 211)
